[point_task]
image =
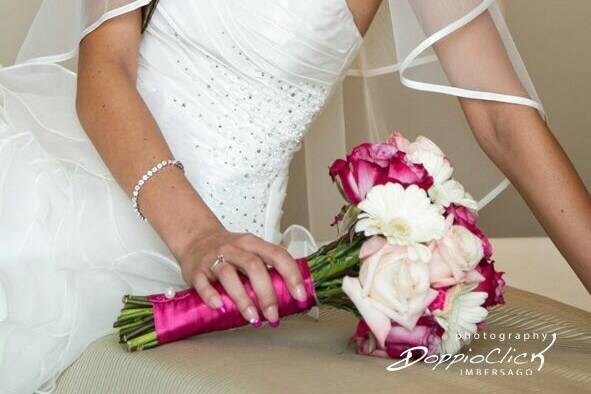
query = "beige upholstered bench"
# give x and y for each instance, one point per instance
(310, 356)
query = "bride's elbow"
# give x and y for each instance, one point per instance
(82, 102)
(92, 79)
(500, 127)
(87, 103)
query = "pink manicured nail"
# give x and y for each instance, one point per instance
(274, 324)
(300, 292)
(271, 313)
(251, 315)
(216, 302)
(256, 324)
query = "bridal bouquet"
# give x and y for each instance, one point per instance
(410, 261)
(426, 277)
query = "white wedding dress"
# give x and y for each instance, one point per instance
(233, 89)
(234, 86)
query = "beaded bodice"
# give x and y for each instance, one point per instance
(235, 85)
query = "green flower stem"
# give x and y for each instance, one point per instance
(135, 324)
(123, 325)
(141, 323)
(328, 293)
(132, 298)
(134, 315)
(129, 306)
(337, 264)
(127, 313)
(136, 300)
(142, 341)
(144, 329)
(148, 345)
(336, 260)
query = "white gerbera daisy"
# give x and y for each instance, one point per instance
(436, 165)
(403, 216)
(459, 318)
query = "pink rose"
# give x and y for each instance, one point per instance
(464, 217)
(401, 143)
(376, 164)
(493, 284)
(455, 256)
(481, 326)
(427, 333)
(486, 245)
(439, 301)
(366, 166)
(379, 154)
(407, 173)
(347, 183)
(367, 344)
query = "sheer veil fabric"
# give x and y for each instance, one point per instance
(60, 25)
(399, 46)
(399, 53)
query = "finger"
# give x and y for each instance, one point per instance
(281, 260)
(228, 277)
(207, 292)
(252, 266)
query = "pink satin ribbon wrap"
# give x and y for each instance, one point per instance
(186, 314)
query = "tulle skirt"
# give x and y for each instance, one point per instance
(70, 245)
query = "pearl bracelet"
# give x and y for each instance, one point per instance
(149, 174)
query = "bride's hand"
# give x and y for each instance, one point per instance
(244, 253)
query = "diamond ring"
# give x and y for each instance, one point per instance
(219, 260)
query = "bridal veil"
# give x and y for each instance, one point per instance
(399, 51)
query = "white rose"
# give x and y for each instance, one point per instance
(455, 258)
(424, 144)
(390, 286)
(451, 192)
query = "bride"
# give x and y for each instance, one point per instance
(164, 161)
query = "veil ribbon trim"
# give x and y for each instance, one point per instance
(414, 59)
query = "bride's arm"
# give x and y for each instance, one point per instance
(519, 142)
(126, 135)
(128, 139)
